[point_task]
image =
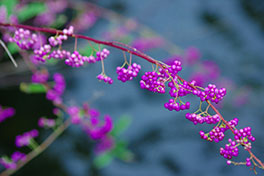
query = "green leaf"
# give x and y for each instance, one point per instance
(10, 5)
(52, 61)
(82, 113)
(31, 10)
(32, 88)
(60, 21)
(88, 50)
(102, 160)
(126, 39)
(13, 48)
(122, 124)
(121, 151)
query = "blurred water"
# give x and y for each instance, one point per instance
(165, 143)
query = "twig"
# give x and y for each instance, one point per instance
(40, 148)
(8, 53)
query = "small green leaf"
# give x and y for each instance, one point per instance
(122, 124)
(52, 61)
(126, 39)
(13, 48)
(60, 21)
(6, 158)
(32, 88)
(102, 160)
(126, 155)
(10, 5)
(121, 151)
(88, 50)
(82, 113)
(31, 10)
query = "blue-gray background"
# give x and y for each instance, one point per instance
(164, 143)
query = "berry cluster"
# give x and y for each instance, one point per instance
(153, 81)
(230, 150)
(97, 131)
(40, 76)
(7, 163)
(76, 59)
(47, 123)
(94, 113)
(89, 119)
(16, 156)
(105, 78)
(129, 73)
(74, 113)
(211, 93)
(59, 54)
(233, 123)
(41, 54)
(172, 105)
(244, 133)
(68, 31)
(24, 39)
(24, 139)
(10, 163)
(101, 55)
(174, 68)
(105, 144)
(202, 119)
(90, 59)
(57, 40)
(181, 90)
(55, 93)
(6, 113)
(248, 162)
(171, 69)
(217, 133)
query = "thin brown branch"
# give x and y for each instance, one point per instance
(40, 148)
(107, 43)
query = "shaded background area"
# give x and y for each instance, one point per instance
(230, 33)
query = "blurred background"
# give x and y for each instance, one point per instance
(226, 38)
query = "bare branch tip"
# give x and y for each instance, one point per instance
(8, 53)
